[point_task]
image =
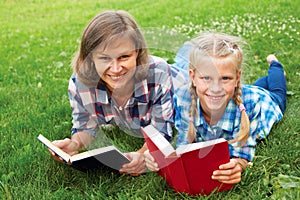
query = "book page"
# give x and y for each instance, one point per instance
(109, 156)
(65, 156)
(159, 140)
(191, 147)
(94, 152)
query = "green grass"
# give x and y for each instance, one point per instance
(38, 39)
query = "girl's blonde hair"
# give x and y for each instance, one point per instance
(218, 45)
(103, 29)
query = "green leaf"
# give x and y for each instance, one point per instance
(286, 181)
(290, 93)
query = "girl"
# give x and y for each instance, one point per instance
(216, 104)
(115, 81)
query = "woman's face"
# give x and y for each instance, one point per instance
(116, 64)
(215, 80)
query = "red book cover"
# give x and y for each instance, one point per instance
(189, 168)
(174, 174)
(200, 163)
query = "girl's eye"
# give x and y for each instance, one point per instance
(206, 78)
(225, 78)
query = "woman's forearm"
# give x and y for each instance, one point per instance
(82, 139)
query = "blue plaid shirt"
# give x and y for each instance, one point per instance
(151, 102)
(261, 109)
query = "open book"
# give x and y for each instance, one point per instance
(189, 168)
(109, 156)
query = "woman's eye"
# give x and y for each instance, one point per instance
(104, 58)
(124, 57)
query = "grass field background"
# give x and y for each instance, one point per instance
(37, 41)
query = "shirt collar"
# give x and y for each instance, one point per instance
(226, 123)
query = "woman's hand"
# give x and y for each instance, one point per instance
(67, 145)
(137, 165)
(230, 173)
(150, 162)
(74, 145)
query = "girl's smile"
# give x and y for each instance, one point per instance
(215, 99)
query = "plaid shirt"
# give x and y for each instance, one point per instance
(261, 109)
(151, 102)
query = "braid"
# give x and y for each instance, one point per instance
(192, 113)
(245, 123)
(237, 94)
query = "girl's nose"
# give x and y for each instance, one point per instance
(216, 87)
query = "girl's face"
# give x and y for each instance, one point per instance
(215, 80)
(116, 64)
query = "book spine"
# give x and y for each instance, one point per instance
(174, 174)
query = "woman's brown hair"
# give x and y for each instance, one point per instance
(103, 29)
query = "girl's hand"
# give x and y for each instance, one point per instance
(137, 165)
(230, 173)
(67, 145)
(150, 161)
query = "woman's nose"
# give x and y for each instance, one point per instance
(115, 66)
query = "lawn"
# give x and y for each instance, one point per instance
(38, 40)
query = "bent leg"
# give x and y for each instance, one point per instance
(275, 82)
(262, 82)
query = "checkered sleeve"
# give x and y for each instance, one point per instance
(270, 114)
(82, 120)
(182, 106)
(162, 108)
(263, 112)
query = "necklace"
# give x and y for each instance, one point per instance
(121, 102)
(122, 105)
(121, 98)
